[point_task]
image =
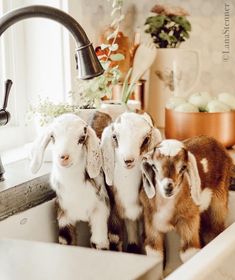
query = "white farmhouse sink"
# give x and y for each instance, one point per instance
(215, 261)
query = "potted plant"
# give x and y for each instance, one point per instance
(169, 27)
(175, 71)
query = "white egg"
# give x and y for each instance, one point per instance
(217, 106)
(227, 99)
(186, 107)
(200, 99)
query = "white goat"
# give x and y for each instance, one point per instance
(123, 143)
(76, 178)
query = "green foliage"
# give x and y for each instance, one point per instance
(168, 31)
(89, 93)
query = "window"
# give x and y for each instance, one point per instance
(35, 54)
(8, 59)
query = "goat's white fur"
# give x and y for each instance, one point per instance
(162, 184)
(62, 241)
(206, 197)
(204, 163)
(79, 198)
(194, 179)
(127, 183)
(108, 154)
(170, 147)
(163, 216)
(131, 129)
(188, 254)
(150, 252)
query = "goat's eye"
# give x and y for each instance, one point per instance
(115, 138)
(82, 139)
(183, 168)
(53, 139)
(154, 167)
(145, 142)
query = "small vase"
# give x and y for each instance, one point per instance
(174, 73)
(114, 108)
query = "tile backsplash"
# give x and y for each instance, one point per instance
(208, 19)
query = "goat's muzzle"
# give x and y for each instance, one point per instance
(129, 163)
(64, 160)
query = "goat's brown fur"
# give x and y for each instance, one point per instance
(67, 234)
(194, 228)
(98, 121)
(217, 179)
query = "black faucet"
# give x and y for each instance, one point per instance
(4, 117)
(88, 65)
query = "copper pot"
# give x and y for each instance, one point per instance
(221, 126)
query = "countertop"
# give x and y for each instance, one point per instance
(22, 190)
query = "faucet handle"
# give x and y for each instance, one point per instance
(8, 85)
(5, 115)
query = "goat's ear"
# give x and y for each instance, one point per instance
(148, 179)
(107, 148)
(194, 179)
(38, 150)
(148, 118)
(155, 138)
(93, 158)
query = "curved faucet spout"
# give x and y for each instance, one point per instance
(87, 62)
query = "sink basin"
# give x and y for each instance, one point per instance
(38, 225)
(28, 260)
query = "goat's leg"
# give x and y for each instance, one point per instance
(116, 231)
(153, 239)
(67, 228)
(67, 234)
(132, 236)
(213, 219)
(99, 228)
(190, 241)
(154, 245)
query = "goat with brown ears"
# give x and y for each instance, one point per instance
(123, 144)
(186, 189)
(76, 177)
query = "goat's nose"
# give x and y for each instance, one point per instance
(169, 187)
(64, 157)
(129, 161)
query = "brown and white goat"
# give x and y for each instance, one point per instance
(76, 177)
(123, 144)
(186, 189)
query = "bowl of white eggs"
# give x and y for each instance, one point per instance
(201, 114)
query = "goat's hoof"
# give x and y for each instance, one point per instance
(102, 246)
(133, 248)
(117, 247)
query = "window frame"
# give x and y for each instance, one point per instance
(17, 69)
(14, 68)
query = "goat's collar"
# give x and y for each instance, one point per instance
(170, 147)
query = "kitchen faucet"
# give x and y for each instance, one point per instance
(87, 63)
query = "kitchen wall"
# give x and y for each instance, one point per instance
(208, 22)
